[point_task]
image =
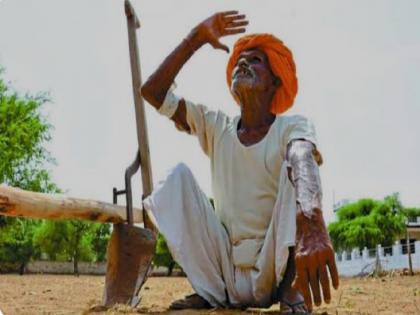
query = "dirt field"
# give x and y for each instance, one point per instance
(52, 294)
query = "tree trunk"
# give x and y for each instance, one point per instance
(377, 272)
(170, 269)
(410, 263)
(20, 203)
(22, 266)
(76, 260)
(76, 266)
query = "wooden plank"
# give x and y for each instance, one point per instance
(21, 203)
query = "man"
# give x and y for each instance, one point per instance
(265, 181)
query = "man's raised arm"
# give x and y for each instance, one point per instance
(208, 31)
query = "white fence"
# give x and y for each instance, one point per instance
(358, 262)
(58, 267)
(66, 267)
(349, 264)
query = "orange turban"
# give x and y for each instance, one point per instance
(281, 62)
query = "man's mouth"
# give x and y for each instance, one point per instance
(243, 72)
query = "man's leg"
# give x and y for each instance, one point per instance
(195, 237)
(291, 300)
(275, 264)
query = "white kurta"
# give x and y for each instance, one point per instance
(236, 254)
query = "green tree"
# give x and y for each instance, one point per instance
(24, 131)
(394, 202)
(73, 240)
(162, 255)
(16, 246)
(366, 223)
(411, 214)
(100, 241)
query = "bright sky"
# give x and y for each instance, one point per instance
(358, 67)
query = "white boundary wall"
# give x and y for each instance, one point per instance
(59, 267)
(66, 267)
(348, 263)
(353, 264)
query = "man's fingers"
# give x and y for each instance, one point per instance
(219, 45)
(306, 294)
(231, 12)
(237, 24)
(302, 284)
(233, 18)
(313, 280)
(234, 31)
(333, 272)
(325, 283)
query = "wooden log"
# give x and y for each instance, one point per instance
(21, 203)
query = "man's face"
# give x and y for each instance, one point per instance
(253, 72)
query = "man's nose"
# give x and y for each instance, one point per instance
(243, 62)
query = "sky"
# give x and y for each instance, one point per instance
(358, 65)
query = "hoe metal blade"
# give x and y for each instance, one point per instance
(130, 253)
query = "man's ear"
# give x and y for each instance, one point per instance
(276, 81)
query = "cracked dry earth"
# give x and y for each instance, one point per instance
(64, 294)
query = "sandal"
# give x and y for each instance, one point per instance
(292, 303)
(289, 308)
(193, 301)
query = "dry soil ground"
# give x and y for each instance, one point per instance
(59, 294)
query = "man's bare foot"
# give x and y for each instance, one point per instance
(193, 301)
(292, 302)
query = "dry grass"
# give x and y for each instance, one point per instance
(55, 294)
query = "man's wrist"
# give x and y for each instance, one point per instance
(194, 40)
(314, 224)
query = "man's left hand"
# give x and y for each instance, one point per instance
(314, 252)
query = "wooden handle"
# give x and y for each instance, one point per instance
(130, 13)
(146, 168)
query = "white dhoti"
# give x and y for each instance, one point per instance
(201, 245)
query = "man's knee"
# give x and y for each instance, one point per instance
(181, 170)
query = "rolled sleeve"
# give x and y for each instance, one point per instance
(170, 104)
(300, 128)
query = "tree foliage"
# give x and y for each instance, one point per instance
(163, 256)
(16, 244)
(368, 222)
(73, 240)
(100, 240)
(24, 132)
(412, 213)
